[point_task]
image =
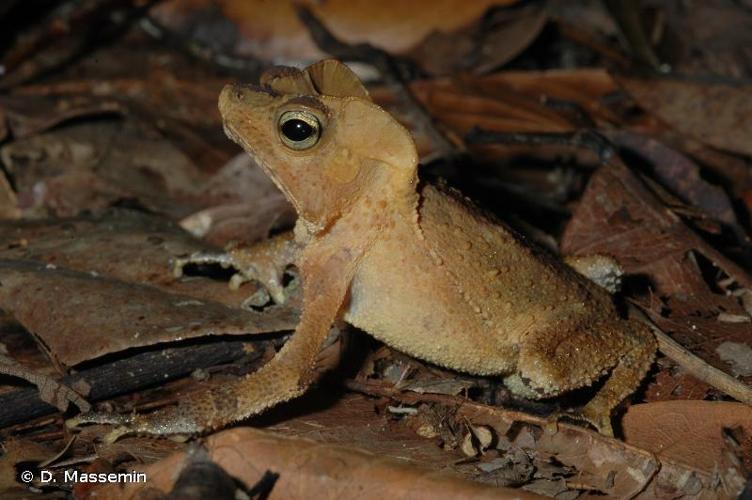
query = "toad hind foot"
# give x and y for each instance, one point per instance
(621, 382)
(203, 411)
(624, 378)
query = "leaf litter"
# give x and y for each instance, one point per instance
(114, 167)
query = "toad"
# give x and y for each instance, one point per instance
(416, 266)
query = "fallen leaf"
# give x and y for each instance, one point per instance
(123, 244)
(490, 42)
(81, 317)
(309, 468)
(8, 200)
(714, 113)
(190, 99)
(711, 38)
(621, 215)
(563, 90)
(29, 115)
(679, 173)
(50, 390)
(671, 382)
(19, 451)
(461, 109)
(738, 355)
(278, 34)
(687, 432)
(92, 166)
(243, 205)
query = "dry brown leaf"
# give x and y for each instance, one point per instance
(585, 88)
(80, 317)
(344, 434)
(688, 432)
(460, 110)
(28, 115)
(8, 200)
(459, 106)
(483, 46)
(711, 37)
(309, 468)
(679, 173)
(715, 113)
(674, 383)
(243, 205)
(239, 180)
(122, 244)
(312, 466)
(240, 222)
(92, 166)
(50, 390)
(598, 464)
(619, 215)
(158, 94)
(17, 451)
(556, 101)
(271, 31)
(238, 202)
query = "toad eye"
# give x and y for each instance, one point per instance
(299, 130)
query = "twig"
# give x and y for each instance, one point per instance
(588, 139)
(263, 486)
(395, 71)
(695, 366)
(127, 375)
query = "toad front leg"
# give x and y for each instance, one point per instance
(265, 262)
(327, 279)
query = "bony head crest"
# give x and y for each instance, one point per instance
(328, 77)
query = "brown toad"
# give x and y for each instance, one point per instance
(415, 266)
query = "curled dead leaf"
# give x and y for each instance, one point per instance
(715, 113)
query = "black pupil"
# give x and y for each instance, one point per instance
(297, 130)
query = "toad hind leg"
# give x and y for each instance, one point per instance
(283, 378)
(624, 378)
(548, 366)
